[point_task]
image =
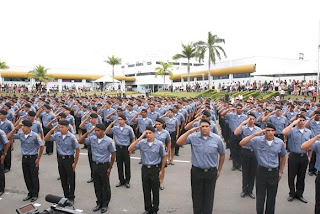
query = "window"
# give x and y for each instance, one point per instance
(185, 64)
(130, 75)
(221, 77)
(123, 66)
(77, 80)
(139, 64)
(66, 80)
(244, 75)
(197, 64)
(176, 80)
(149, 63)
(16, 79)
(130, 65)
(175, 63)
(157, 62)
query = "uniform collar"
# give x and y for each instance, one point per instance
(198, 134)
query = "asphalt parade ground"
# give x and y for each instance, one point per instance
(174, 199)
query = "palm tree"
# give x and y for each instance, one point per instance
(213, 49)
(189, 51)
(163, 70)
(40, 73)
(113, 61)
(3, 65)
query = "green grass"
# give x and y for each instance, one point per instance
(175, 94)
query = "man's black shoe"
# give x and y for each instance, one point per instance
(239, 168)
(104, 209)
(1, 193)
(58, 179)
(251, 195)
(98, 207)
(177, 155)
(243, 194)
(146, 212)
(6, 170)
(71, 200)
(310, 173)
(233, 168)
(27, 198)
(33, 199)
(140, 162)
(290, 198)
(90, 180)
(128, 185)
(302, 199)
(119, 184)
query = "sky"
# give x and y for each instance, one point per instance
(81, 34)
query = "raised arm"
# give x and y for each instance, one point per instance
(288, 128)
(238, 129)
(245, 140)
(182, 139)
(308, 144)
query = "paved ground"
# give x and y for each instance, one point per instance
(175, 198)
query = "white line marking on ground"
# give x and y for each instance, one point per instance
(79, 210)
(6, 193)
(37, 205)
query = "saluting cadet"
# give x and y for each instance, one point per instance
(248, 158)
(4, 146)
(234, 120)
(298, 158)
(123, 136)
(206, 147)
(130, 113)
(196, 122)
(68, 155)
(102, 148)
(279, 121)
(7, 127)
(143, 121)
(160, 109)
(152, 114)
(36, 125)
(153, 157)
(88, 124)
(7, 108)
(164, 136)
(172, 126)
(45, 117)
(31, 149)
(181, 122)
(314, 125)
(267, 149)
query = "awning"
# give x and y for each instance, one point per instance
(106, 79)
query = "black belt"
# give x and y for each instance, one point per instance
(204, 170)
(100, 163)
(122, 147)
(29, 156)
(268, 169)
(65, 156)
(151, 166)
(299, 154)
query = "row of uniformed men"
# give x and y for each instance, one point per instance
(298, 139)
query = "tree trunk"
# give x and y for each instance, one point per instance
(113, 76)
(209, 72)
(164, 81)
(188, 72)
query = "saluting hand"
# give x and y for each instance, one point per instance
(194, 129)
(296, 121)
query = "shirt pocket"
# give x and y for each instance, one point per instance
(197, 147)
(212, 148)
(154, 153)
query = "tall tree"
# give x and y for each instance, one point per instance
(40, 73)
(188, 52)
(3, 65)
(214, 50)
(163, 70)
(113, 61)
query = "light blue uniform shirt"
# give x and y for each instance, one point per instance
(143, 123)
(246, 131)
(171, 124)
(296, 139)
(129, 115)
(29, 145)
(314, 126)
(151, 155)
(67, 145)
(161, 111)
(153, 116)
(205, 151)
(100, 151)
(3, 139)
(70, 119)
(267, 156)
(316, 148)
(163, 136)
(36, 127)
(6, 126)
(279, 122)
(122, 137)
(105, 112)
(180, 118)
(46, 118)
(234, 120)
(290, 115)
